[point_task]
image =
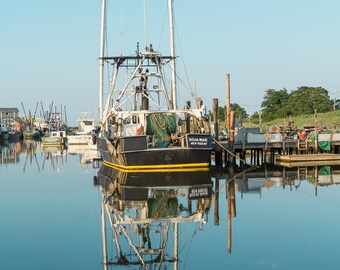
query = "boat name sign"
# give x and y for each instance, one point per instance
(199, 140)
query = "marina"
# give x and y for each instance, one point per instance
(151, 168)
(230, 213)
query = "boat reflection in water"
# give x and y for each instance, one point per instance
(145, 211)
(9, 153)
(33, 154)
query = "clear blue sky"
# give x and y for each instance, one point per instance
(49, 49)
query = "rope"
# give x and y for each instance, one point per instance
(231, 153)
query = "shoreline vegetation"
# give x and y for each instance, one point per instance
(329, 120)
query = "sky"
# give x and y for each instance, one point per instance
(49, 49)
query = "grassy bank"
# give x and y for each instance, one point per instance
(328, 119)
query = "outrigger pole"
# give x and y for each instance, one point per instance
(101, 58)
(172, 55)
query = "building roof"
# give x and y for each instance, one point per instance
(9, 109)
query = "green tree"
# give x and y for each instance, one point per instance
(239, 112)
(273, 105)
(221, 113)
(305, 100)
(254, 118)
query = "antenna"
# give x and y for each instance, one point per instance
(121, 30)
(145, 26)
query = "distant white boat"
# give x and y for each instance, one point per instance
(79, 139)
(84, 134)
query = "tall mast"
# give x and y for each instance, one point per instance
(172, 54)
(101, 60)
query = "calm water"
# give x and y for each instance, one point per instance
(51, 204)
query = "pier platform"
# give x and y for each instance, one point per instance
(261, 146)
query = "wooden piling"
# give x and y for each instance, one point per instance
(187, 118)
(231, 210)
(316, 132)
(227, 107)
(231, 139)
(218, 149)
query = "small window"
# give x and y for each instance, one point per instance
(112, 120)
(135, 119)
(127, 120)
(88, 123)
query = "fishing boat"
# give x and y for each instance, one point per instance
(3, 132)
(55, 138)
(56, 133)
(143, 126)
(31, 134)
(30, 130)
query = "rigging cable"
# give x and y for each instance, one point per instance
(189, 242)
(162, 29)
(181, 53)
(121, 30)
(185, 86)
(106, 48)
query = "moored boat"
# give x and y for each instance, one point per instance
(143, 128)
(55, 131)
(14, 136)
(3, 132)
(84, 134)
(55, 138)
(31, 134)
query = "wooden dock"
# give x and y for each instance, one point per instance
(308, 160)
(263, 146)
(309, 157)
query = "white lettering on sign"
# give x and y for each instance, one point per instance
(198, 141)
(198, 192)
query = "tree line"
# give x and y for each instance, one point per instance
(279, 104)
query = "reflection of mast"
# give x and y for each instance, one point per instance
(176, 245)
(231, 210)
(30, 154)
(55, 159)
(216, 210)
(104, 244)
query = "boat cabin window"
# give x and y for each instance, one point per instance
(135, 119)
(127, 120)
(112, 120)
(88, 123)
